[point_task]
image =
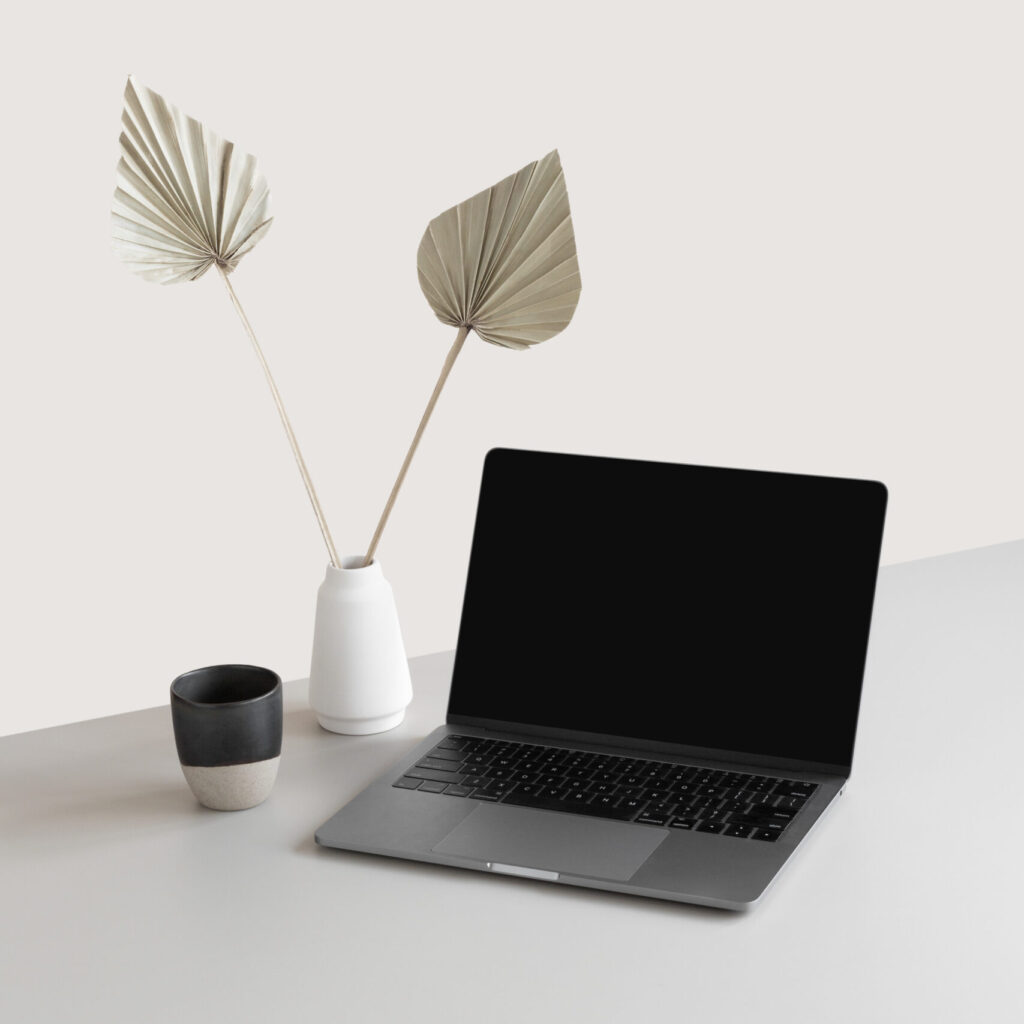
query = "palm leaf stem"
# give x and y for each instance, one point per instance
(453, 354)
(304, 472)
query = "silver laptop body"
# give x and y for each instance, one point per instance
(700, 635)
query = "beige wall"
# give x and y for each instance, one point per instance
(799, 229)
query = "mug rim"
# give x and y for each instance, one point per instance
(277, 686)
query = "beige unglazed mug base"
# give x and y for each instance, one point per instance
(232, 787)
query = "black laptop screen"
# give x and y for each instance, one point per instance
(717, 608)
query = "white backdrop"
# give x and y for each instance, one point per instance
(799, 228)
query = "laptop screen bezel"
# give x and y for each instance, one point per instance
(640, 743)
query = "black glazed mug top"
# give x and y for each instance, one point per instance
(227, 714)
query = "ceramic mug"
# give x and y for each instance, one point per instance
(227, 727)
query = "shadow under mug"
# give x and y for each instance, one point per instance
(227, 727)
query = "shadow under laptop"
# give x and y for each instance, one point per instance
(322, 771)
(387, 867)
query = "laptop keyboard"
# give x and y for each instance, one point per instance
(658, 793)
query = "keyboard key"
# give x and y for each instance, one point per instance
(633, 804)
(657, 794)
(438, 764)
(529, 789)
(475, 781)
(434, 776)
(711, 826)
(453, 742)
(709, 791)
(732, 805)
(765, 835)
(432, 787)
(457, 791)
(776, 813)
(483, 794)
(790, 803)
(579, 759)
(520, 798)
(757, 822)
(665, 808)
(763, 812)
(682, 823)
(599, 807)
(647, 818)
(742, 831)
(633, 792)
(577, 796)
(800, 789)
(596, 809)
(405, 783)
(445, 754)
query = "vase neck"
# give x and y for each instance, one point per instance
(353, 574)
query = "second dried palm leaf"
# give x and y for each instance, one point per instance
(503, 264)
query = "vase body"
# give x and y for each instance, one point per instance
(359, 676)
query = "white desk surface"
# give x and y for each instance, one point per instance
(123, 900)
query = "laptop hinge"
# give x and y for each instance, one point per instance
(647, 748)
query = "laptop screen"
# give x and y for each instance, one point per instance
(717, 608)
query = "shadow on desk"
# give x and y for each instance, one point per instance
(77, 813)
(384, 869)
(321, 771)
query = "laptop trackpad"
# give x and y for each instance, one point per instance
(550, 841)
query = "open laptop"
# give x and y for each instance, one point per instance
(656, 683)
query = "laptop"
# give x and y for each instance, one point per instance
(656, 683)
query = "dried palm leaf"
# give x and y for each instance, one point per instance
(187, 200)
(503, 264)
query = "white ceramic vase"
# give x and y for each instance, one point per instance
(359, 677)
